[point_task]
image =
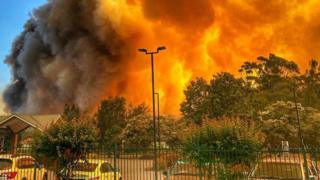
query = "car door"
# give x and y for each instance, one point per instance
(25, 167)
(106, 171)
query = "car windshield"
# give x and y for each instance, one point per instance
(86, 167)
(25, 163)
(5, 164)
(274, 170)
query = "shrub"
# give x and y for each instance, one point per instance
(226, 145)
(61, 144)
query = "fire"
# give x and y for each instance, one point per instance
(202, 38)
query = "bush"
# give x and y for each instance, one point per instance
(62, 144)
(226, 145)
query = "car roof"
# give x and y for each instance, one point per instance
(6, 156)
(281, 160)
(96, 161)
(13, 157)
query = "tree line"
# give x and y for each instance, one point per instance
(266, 93)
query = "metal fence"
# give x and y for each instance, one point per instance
(138, 164)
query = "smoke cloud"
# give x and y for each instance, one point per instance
(81, 51)
(2, 105)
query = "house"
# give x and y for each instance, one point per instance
(16, 129)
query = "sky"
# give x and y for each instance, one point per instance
(13, 15)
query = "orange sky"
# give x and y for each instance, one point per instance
(204, 37)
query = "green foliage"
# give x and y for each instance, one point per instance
(195, 108)
(228, 144)
(138, 132)
(310, 92)
(133, 111)
(277, 66)
(111, 119)
(172, 131)
(62, 143)
(226, 96)
(264, 82)
(279, 123)
(71, 112)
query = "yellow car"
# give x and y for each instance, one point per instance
(95, 169)
(20, 168)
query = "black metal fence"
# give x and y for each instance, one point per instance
(138, 164)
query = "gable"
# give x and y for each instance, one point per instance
(18, 123)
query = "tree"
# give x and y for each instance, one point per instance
(194, 107)
(171, 130)
(226, 96)
(138, 132)
(311, 85)
(279, 123)
(226, 145)
(251, 72)
(111, 118)
(141, 109)
(62, 144)
(268, 80)
(71, 112)
(275, 66)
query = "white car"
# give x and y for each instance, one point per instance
(284, 169)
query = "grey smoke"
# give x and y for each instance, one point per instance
(61, 58)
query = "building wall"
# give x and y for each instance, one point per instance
(6, 139)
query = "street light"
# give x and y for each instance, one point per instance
(158, 101)
(143, 50)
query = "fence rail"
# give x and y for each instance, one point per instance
(173, 164)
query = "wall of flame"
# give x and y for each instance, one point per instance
(207, 36)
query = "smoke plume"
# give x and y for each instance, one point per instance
(81, 51)
(2, 105)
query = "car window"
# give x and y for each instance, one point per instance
(5, 164)
(278, 170)
(24, 163)
(86, 167)
(106, 167)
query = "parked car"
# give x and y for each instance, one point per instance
(183, 170)
(284, 169)
(94, 169)
(20, 168)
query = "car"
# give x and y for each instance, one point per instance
(183, 170)
(284, 169)
(315, 169)
(20, 168)
(95, 169)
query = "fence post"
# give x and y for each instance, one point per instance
(305, 163)
(115, 162)
(34, 170)
(200, 162)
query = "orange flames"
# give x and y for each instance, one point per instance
(204, 37)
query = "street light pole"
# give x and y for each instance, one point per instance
(158, 101)
(153, 106)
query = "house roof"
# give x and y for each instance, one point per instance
(18, 122)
